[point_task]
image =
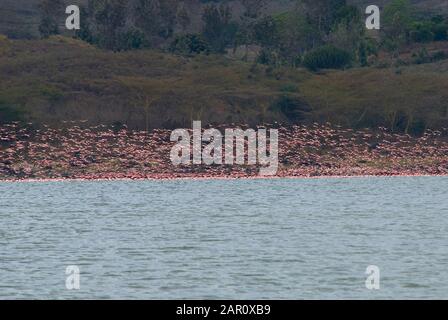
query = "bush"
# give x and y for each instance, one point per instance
(435, 29)
(189, 44)
(131, 39)
(9, 114)
(327, 57)
(268, 57)
(440, 32)
(219, 30)
(439, 55)
(294, 108)
(421, 32)
(289, 87)
(48, 27)
(423, 56)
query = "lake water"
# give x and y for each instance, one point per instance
(241, 239)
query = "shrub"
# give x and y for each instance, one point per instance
(268, 57)
(9, 114)
(327, 57)
(421, 32)
(440, 28)
(422, 56)
(48, 27)
(435, 29)
(289, 87)
(219, 30)
(439, 55)
(131, 39)
(294, 109)
(440, 32)
(189, 44)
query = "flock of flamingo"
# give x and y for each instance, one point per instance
(319, 150)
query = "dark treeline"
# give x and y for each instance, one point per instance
(314, 33)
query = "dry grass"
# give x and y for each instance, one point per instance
(66, 79)
(395, 98)
(62, 78)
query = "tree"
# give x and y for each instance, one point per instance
(348, 30)
(253, 8)
(349, 15)
(168, 14)
(397, 19)
(51, 12)
(156, 18)
(265, 31)
(146, 15)
(110, 18)
(440, 28)
(131, 39)
(125, 25)
(284, 37)
(322, 13)
(189, 44)
(219, 31)
(182, 17)
(86, 33)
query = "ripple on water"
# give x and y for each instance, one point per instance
(248, 239)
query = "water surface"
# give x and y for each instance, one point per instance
(244, 239)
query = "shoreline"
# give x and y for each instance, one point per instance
(211, 178)
(305, 151)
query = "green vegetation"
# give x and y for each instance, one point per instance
(189, 44)
(410, 101)
(284, 38)
(152, 64)
(65, 79)
(327, 57)
(50, 12)
(404, 25)
(9, 114)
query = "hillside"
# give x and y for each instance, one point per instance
(20, 18)
(48, 81)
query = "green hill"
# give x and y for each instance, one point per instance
(49, 81)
